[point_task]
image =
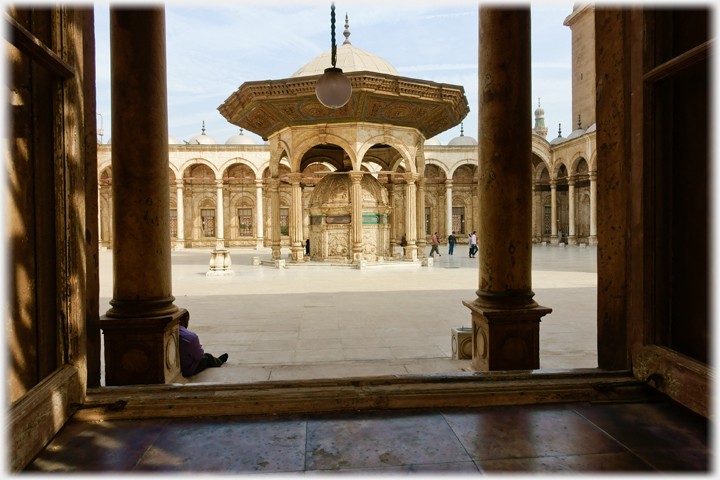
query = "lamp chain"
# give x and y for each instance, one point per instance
(332, 33)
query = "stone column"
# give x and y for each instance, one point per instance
(99, 218)
(274, 186)
(220, 262)
(448, 198)
(553, 213)
(505, 318)
(259, 214)
(592, 239)
(297, 247)
(572, 236)
(141, 328)
(410, 214)
(356, 218)
(391, 198)
(180, 243)
(420, 218)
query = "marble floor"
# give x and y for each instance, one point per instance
(311, 322)
(659, 436)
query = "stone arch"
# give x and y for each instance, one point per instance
(199, 161)
(437, 163)
(329, 163)
(559, 163)
(104, 166)
(593, 162)
(460, 163)
(329, 138)
(391, 141)
(465, 174)
(540, 170)
(577, 158)
(238, 161)
(541, 148)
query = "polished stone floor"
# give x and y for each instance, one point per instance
(568, 438)
(312, 322)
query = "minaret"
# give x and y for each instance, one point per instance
(540, 128)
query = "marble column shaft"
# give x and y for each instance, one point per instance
(410, 217)
(593, 209)
(297, 247)
(180, 213)
(356, 218)
(572, 238)
(141, 329)
(420, 218)
(259, 212)
(219, 214)
(553, 210)
(448, 198)
(504, 315)
(391, 197)
(274, 187)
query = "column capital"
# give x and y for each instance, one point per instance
(356, 177)
(553, 184)
(593, 176)
(258, 182)
(180, 182)
(448, 183)
(421, 181)
(273, 183)
(571, 182)
(295, 178)
(219, 182)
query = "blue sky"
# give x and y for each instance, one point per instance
(212, 48)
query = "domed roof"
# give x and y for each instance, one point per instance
(240, 139)
(349, 59)
(202, 139)
(591, 128)
(539, 112)
(173, 140)
(432, 141)
(559, 138)
(334, 191)
(462, 139)
(576, 133)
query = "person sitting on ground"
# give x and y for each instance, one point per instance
(193, 358)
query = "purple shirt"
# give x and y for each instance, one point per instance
(191, 352)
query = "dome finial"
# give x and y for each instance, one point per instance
(462, 131)
(203, 130)
(579, 122)
(241, 132)
(559, 129)
(538, 102)
(346, 33)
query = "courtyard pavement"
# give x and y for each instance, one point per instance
(307, 322)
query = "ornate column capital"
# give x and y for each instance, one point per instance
(259, 182)
(448, 183)
(421, 181)
(356, 177)
(571, 182)
(411, 178)
(553, 184)
(593, 176)
(273, 183)
(295, 178)
(219, 182)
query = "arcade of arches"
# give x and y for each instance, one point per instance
(237, 177)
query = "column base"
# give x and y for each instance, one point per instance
(357, 253)
(421, 250)
(260, 244)
(411, 253)
(179, 244)
(276, 254)
(572, 240)
(554, 240)
(592, 240)
(297, 254)
(142, 351)
(220, 263)
(506, 339)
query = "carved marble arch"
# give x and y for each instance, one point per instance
(390, 141)
(444, 172)
(593, 162)
(172, 174)
(276, 160)
(465, 174)
(329, 141)
(378, 162)
(189, 166)
(328, 163)
(537, 164)
(233, 163)
(106, 174)
(242, 199)
(582, 168)
(434, 174)
(460, 163)
(561, 173)
(575, 163)
(560, 164)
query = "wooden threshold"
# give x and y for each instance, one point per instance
(363, 393)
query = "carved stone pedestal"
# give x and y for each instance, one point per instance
(297, 254)
(507, 339)
(572, 240)
(592, 240)
(220, 263)
(141, 351)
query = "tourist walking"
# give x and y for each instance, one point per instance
(451, 243)
(434, 242)
(473, 245)
(403, 242)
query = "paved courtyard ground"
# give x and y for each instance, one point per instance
(312, 322)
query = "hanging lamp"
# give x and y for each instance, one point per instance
(333, 88)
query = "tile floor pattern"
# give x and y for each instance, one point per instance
(642, 437)
(312, 322)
